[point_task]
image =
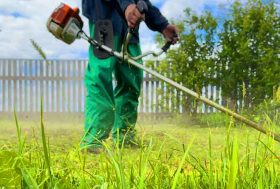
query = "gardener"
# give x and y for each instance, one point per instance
(116, 109)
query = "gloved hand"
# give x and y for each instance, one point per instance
(133, 16)
(170, 33)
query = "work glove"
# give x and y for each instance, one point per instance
(133, 16)
(170, 33)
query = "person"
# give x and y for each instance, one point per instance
(115, 109)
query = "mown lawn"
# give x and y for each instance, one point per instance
(175, 155)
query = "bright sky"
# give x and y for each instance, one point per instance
(22, 20)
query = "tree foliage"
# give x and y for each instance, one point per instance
(238, 54)
(250, 52)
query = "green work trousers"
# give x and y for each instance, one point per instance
(107, 107)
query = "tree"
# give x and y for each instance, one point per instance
(249, 54)
(241, 59)
(189, 63)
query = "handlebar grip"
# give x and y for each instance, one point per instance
(166, 46)
(142, 6)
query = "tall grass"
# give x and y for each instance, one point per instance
(167, 161)
(239, 163)
(36, 46)
(239, 160)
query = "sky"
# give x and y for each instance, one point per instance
(22, 20)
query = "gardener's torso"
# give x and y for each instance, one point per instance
(100, 9)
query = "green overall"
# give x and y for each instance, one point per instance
(111, 108)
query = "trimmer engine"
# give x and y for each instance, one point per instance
(65, 23)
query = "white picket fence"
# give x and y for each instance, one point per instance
(61, 85)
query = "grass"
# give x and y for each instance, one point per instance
(46, 154)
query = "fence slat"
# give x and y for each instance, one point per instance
(37, 87)
(20, 88)
(30, 86)
(10, 83)
(23, 82)
(40, 76)
(46, 88)
(36, 94)
(53, 87)
(15, 81)
(58, 93)
(68, 86)
(4, 86)
(74, 84)
(63, 86)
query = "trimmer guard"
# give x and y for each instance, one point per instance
(104, 35)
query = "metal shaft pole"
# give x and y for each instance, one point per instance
(238, 117)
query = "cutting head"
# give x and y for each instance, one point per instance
(65, 23)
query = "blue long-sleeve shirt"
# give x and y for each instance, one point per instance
(101, 9)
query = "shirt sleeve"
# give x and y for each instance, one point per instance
(124, 3)
(154, 19)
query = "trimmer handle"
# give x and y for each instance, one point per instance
(168, 44)
(142, 6)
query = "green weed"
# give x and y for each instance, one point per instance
(49, 156)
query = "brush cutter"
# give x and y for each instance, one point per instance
(66, 25)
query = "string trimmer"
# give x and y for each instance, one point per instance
(66, 25)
